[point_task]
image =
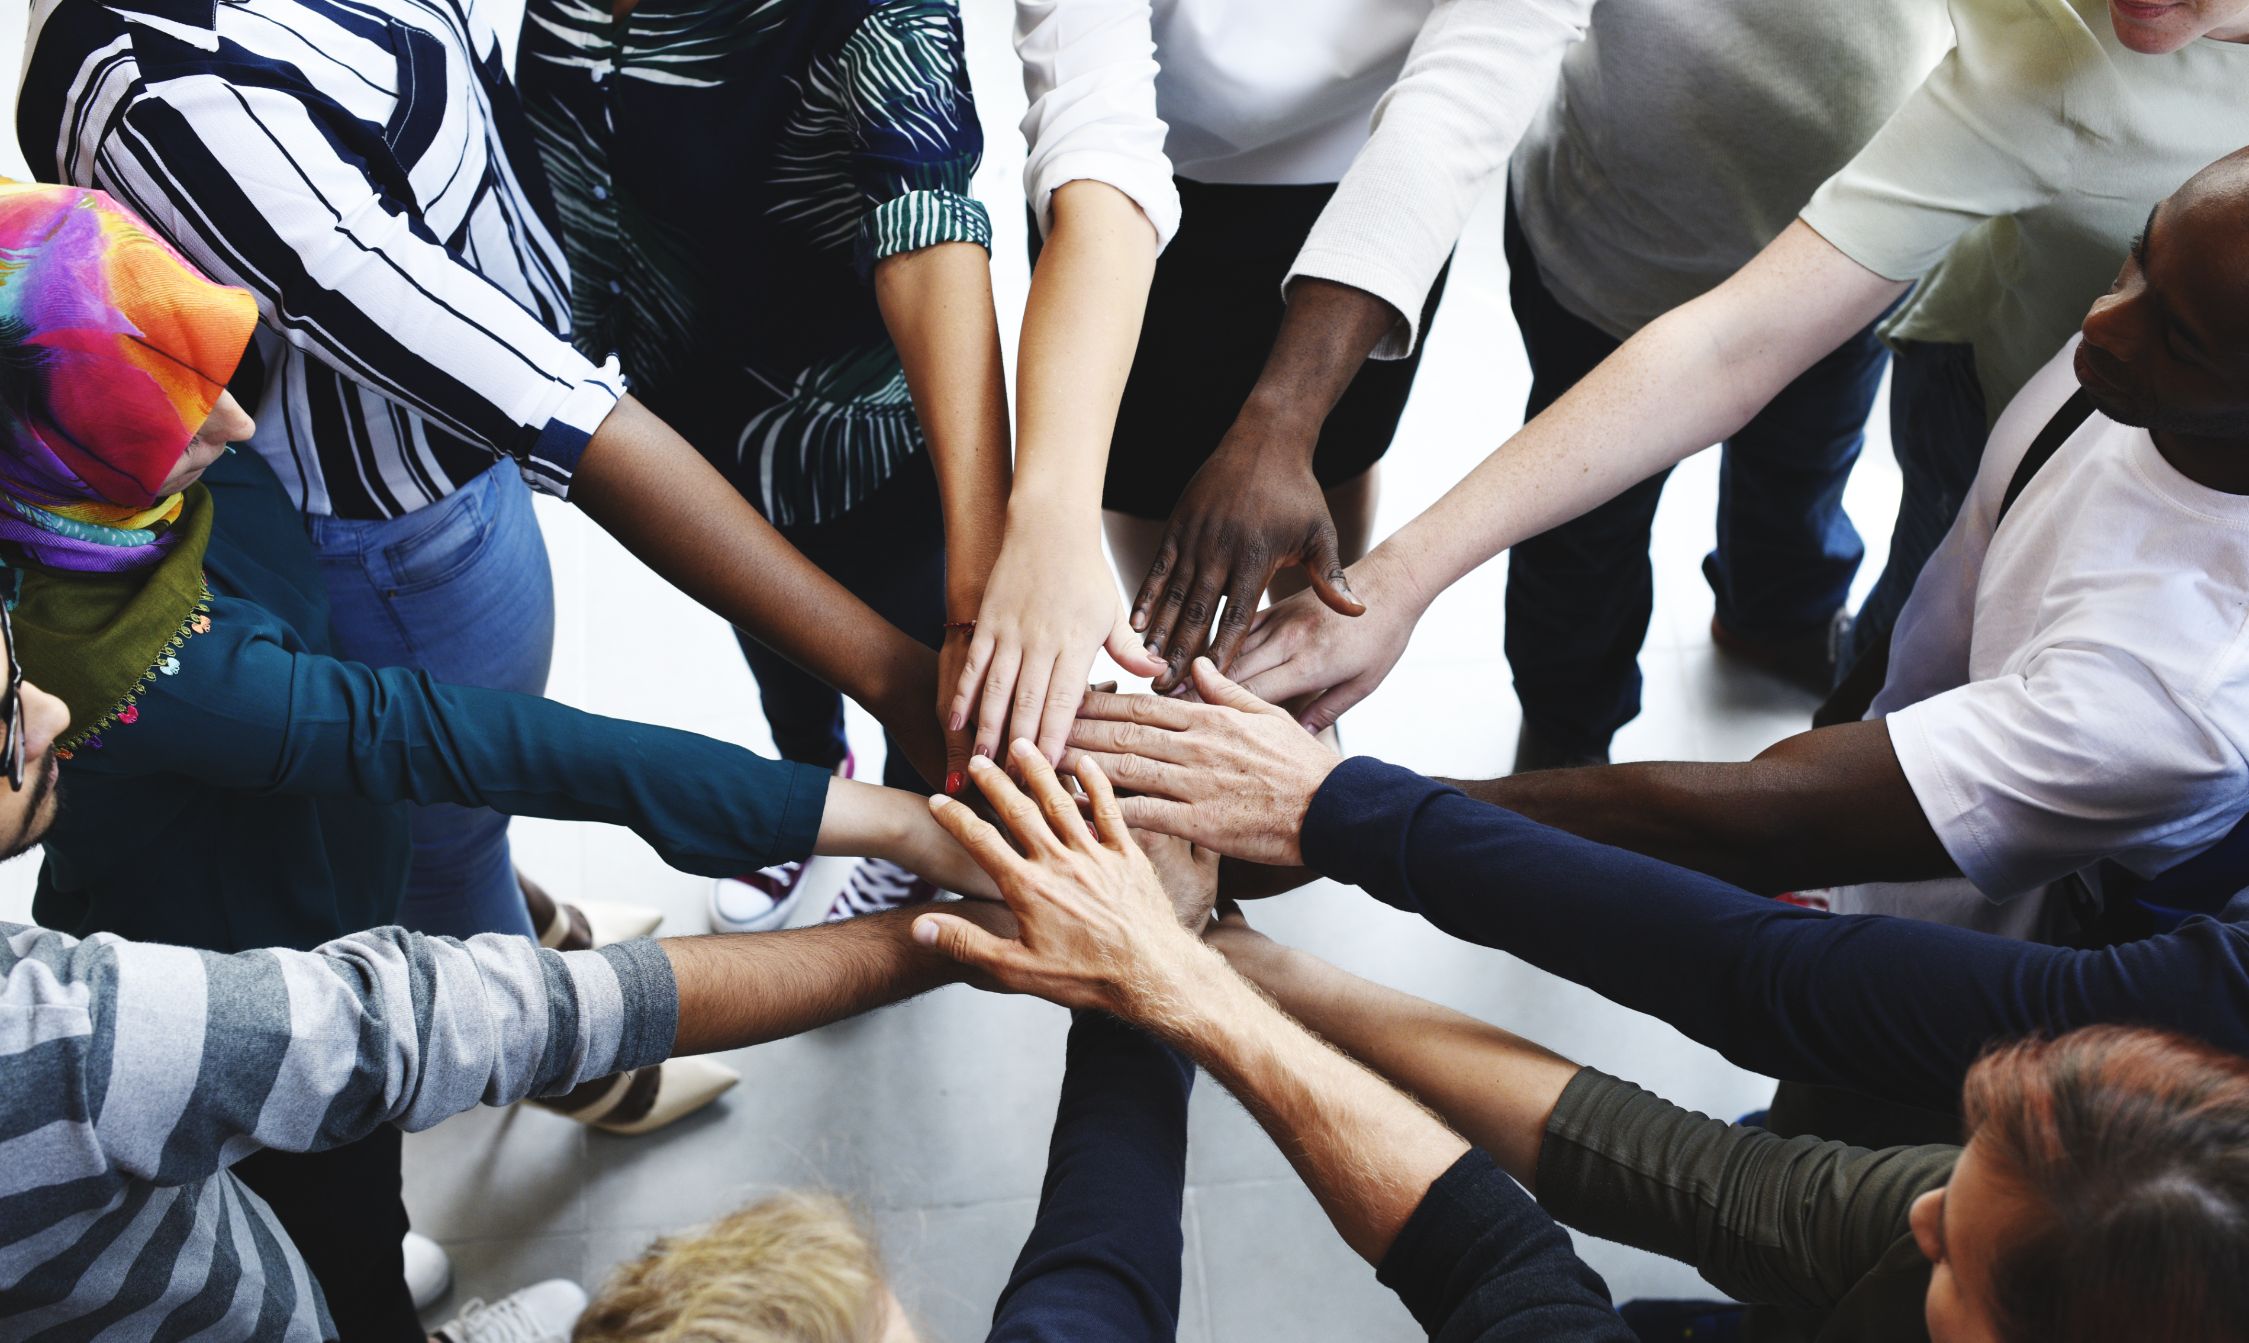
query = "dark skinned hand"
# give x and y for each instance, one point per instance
(1249, 513)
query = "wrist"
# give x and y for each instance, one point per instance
(1178, 1001)
(1390, 576)
(1276, 424)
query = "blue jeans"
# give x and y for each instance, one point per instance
(460, 590)
(1579, 596)
(1937, 429)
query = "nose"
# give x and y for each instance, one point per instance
(229, 422)
(2108, 325)
(44, 719)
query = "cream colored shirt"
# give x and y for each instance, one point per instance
(2012, 182)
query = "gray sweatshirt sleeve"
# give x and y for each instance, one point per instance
(1794, 1222)
(167, 1064)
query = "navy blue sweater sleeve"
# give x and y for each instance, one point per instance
(1479, 1262)
(1892, 1007)
(1102, 1262)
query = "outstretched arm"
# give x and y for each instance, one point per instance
(1685, 381)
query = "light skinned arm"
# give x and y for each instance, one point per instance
(1255, 508)
(1685, 381)
(1052, 602)
(1096, 930)
(937, 304)
(646, 486)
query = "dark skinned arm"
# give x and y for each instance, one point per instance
(1828, 807)
(1255, 507)
(648, 488)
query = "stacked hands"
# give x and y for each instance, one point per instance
(1111, 895)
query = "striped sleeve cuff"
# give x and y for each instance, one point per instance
(651, 1001)
(578, 410)
(921, 219)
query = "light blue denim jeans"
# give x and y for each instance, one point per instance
(461, 590)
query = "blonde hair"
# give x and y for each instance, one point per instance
(794, 1268)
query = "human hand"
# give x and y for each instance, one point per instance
(1189, 875)
(1300, 647)
(1232, 773)
(904, 712)
(952, 659)
(1250, 512)
(1094, 927)
(1049, 607)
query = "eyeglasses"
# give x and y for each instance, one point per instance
(11, 583)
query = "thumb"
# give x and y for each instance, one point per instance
(1131, 650)
(1212, 685)
(960, 940)
(1323, 565)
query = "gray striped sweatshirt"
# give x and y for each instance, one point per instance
(133, 1075)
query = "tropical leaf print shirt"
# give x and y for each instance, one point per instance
(727, 173)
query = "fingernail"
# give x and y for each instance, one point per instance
(981, 752)
(925, 932)
(1024, 750)
(956, 722)
(1154, 649)
(982, 757)
(1139, 620)
(953, 781)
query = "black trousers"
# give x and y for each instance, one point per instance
(345, 1210)
(890, 553)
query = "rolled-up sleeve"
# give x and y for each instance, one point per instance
(1476, 75)
(278, 192)
(917, 139)
(1089, 69)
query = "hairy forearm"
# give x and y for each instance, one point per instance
(1825, 808)
(1326, 334)
(740, 989)
(937, 304)
(1081, 324)
(1683, 382)
(646, 486)
(1495, 1088)
(1366, 1150)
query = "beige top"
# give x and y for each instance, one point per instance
(2013, 180)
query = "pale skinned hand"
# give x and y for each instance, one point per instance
(1094, 926)
(1246, 515)
(1298, 646)
(1189, 875)
(1231, 773)
(1049, 607)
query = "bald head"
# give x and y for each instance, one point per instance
(2167, 348)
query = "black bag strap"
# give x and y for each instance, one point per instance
(1854, 694)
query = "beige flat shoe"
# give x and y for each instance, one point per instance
(582, 925)
(647, 1099)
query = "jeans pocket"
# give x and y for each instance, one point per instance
(444, 549)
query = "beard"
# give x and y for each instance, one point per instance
(42, 799)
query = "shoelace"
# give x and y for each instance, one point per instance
(509, 1321)
(878, 884)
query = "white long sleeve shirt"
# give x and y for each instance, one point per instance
(1130, 92)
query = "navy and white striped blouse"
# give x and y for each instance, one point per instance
(363, 168)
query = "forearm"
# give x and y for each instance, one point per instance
(1366, 1151)
(864, 820)
(1825, 808)
(1493, 1087)
(1326, 335)
(937, 304)
(1081, 324)
(1683, 382)
(652, 491)
(741, 989)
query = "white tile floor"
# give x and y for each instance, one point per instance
(933, 1116)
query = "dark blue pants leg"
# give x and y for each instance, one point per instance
(1937, 428)
(890, 553)
(1579, 597)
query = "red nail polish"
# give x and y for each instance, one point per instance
(953, 782)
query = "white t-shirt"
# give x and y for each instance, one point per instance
(2077, 687)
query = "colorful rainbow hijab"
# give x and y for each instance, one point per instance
(113, 350)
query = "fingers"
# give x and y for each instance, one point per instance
(1166, 611)
(1282, 681)
(960, 940)
(1108, 820)
(1165, 816)
(1324, 565)
(971, 681)
(1063, 696)
(1154, 710)
(1241, 603)
(1017, 812)
(1192, 629)
(1321, 713)
(1138, 773)
(956, 759)
(1132, 655)
(1054, 801)
(997, 684)
(976, 835)
(1213, 686)
(1031, 685)
(1129, 739)
(1159, 575)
